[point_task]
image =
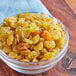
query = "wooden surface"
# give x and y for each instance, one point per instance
(65, 11)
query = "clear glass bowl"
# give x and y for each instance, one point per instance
(37, 67)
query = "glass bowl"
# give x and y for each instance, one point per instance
(36, 67)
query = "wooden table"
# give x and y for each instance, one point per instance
(65, 11)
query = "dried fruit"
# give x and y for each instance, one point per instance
(31, 37)
(10, 39)
(46, 35)
(22, 45)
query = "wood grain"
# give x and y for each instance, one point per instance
(72, 4)
(65, 11)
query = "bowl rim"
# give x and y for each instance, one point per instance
(62, 50)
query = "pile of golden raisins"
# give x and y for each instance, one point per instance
(31, 38)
